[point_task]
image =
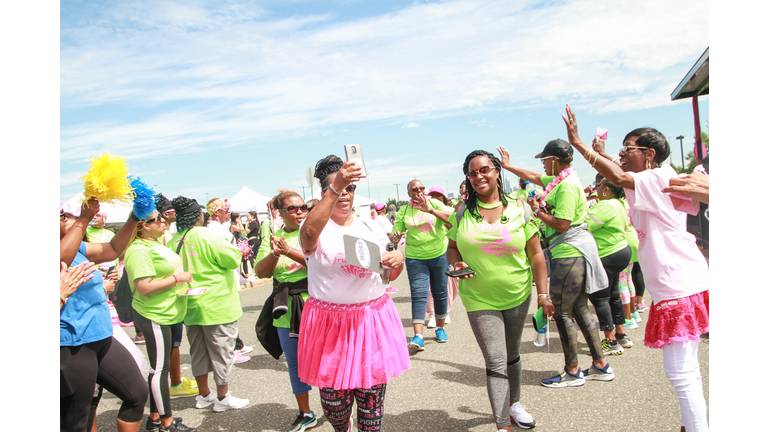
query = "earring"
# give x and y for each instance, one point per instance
(647, 164)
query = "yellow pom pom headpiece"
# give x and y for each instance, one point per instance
(107, 180)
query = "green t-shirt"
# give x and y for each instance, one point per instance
(97, 235)
(165, 240)
(212, 260)
(496, 253)
(607, 221)
(632, 238)
(150, 259)
(286, 270)
(568, 201)
(425, 233)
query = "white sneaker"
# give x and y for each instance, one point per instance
(520, 417)
(447, 319)
(205, 402)
(229, 402)
(432, 323)
(244, 350)
(240, 359)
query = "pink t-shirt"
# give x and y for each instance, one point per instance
(331, 278)
(672, 264)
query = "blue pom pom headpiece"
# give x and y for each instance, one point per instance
(143, 199)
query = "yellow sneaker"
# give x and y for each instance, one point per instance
(185, 389)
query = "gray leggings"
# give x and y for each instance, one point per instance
(498, 334)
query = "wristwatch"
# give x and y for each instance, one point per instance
(536, 212)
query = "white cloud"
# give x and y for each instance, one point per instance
(411, 125)
(220, 75)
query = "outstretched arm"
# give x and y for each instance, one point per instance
(531, 176)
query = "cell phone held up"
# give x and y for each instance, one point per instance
(459, 273)
(355, 154)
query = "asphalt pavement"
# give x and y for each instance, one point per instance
(444, 390)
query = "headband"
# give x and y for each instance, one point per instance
(217, 204)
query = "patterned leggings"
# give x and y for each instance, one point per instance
(566, 288)
(337, 407)
(626, 285)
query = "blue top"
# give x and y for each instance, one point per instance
(85, 318)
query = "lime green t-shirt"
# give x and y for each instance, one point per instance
(632, 238)
(165, 240)
(150, 259)
(607, 221)
(286, 270)
(496, 252)
(568, 201)
(211, 259)
(425, 233)
(97, 235)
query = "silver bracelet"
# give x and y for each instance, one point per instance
(334, 190)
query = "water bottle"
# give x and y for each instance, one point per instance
(530, 188)
(387, 271)
(541, 337)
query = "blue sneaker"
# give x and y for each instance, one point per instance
(565, 379)
(417, 343)
(441, 336)
(594, 373)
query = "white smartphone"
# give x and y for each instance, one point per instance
(355, 153)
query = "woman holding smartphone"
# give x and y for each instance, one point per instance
(492, 235)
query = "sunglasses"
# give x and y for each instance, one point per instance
(63, 216)
(154, 219)
(294, 209)
(418, 189)
(350, 189)
(545, 158)
(484, 170)
(626, 148)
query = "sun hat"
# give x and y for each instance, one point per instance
(380, 206)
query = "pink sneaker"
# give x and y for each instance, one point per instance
(240, 358)
(391, 289)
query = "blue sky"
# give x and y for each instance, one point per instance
(207, 97)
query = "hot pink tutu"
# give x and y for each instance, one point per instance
(349, 346)
(677, 320)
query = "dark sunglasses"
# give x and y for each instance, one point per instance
(418, 189)
(63, 216)
(484, 170)
(293, 209)
(153, 219)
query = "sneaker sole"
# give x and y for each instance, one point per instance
(575, 383)
(523, 425)
(626, 327)
(309, 425)
(613, 353)
(183, 396)
(198, 406)
(415, 347)
(600, 377)
(442, 341)
(228, 408)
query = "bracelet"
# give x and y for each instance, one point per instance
(541, 296)
(431, 210)
(63, 299)
(615, 160)
(176, 279)
(277, 256)
(134, 217)
(334, 190)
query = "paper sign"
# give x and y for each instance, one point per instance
(602, 134)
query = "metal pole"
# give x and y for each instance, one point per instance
(682, 155)
(368, 180)
(303, 196)
(397, 188)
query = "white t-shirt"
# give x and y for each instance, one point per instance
(384, 223)
(672, 264)
(331, 278)
(221, 229)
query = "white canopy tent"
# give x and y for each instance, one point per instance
(117, 214)
(248, 200)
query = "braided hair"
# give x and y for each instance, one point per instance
(325, 167)
(282, 194)
(471, 201)
(185, 217)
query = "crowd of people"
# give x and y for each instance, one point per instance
(334, 321)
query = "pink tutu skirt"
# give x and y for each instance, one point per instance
(350, 346)
(677, 320)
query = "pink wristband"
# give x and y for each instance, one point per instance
(177, 280)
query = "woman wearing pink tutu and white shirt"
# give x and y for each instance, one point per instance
(351, 341)
(676, 274)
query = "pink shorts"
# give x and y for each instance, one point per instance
(677, 320)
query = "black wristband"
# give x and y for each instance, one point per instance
(134, 217)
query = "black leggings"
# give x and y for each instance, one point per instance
(159, 342)
(337, 407)
(107, 363)
(566, 288)
(638, 279)
(607, 302)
